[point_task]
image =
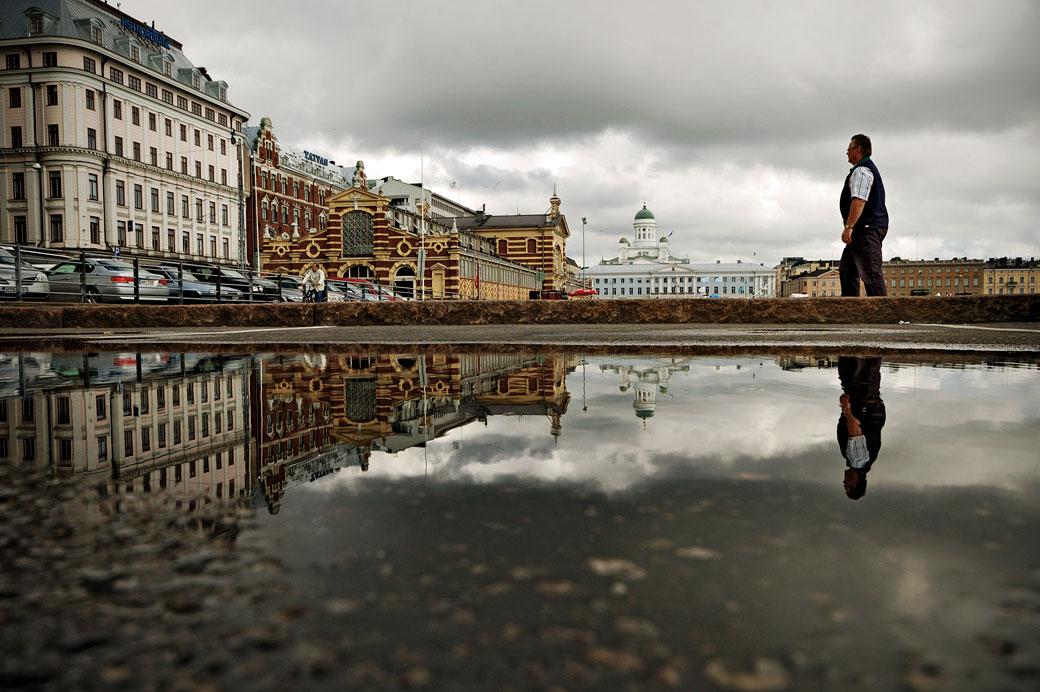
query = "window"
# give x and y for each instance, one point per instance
(223, 147)
(52, 135)
(119, 146)
(185, 242)
(138, 197)
(55, 183)
(91, 138)
(133, 82)
(182, 103)
(161, 435)
(155, 199)
(137, 151)
(92, 186)
(198, 171)
(115, 75)
(209, 142)
(50, 59)
(152, 122)
(153, 156)
(121, 232)
(167, 96)
(211, 179)
(121, 193)
(139, 235)
(57, 229)
(171, 242)
(169, 161)
(168, 127)
(184, 133)
(95, 230)
(184, 207)
(16, 137)
(184, 166)
(13, 61)
(64, 410)
(224, 214)
(135, 115)
(52, 94)
(89, 65)
(146, 439)
(227, 249)
(102, 448)
(200, 243)
(198, 212)
(213, 213)
(198, 138)
(171, 205)
(14, 99)
(128, 443)
(223, 176)
(18, 187)
(117, 109)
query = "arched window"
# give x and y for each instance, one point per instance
(503, 247)
(357, 233)
(263, 211)
(532, 246)
(360, 271)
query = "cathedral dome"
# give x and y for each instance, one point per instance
(644, 213)
(624, 240)
(663, 239)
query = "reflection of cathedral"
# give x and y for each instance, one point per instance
(646, 380)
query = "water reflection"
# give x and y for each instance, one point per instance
(862, 418)
(250, 428)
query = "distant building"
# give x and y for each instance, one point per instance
(957, 276)
(1007, 276)
(791, 267)
(646, 267)
(112, 138)
(816, 284)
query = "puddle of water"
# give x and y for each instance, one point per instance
(487, 520)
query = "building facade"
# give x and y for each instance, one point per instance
(646, 267)
(408, 251)
(952, 277)
(112, 138)
(1011, 276)
(289, 190)
(818, 283)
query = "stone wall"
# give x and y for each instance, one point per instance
(958, 310)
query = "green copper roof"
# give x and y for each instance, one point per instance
(625, 241)
(663, 239)
(644, 213)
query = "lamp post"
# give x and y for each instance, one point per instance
(584, 220)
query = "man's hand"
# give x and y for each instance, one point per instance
(846, 236)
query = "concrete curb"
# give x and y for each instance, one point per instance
(954, 310)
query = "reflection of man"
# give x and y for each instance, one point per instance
(862, 417)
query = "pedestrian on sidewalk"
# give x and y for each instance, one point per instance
(865, 216)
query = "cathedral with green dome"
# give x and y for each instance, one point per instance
(645, 266)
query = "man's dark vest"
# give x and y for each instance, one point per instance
(874, 215)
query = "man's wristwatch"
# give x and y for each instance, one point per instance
(847, 228)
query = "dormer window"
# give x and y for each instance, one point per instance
(135, 53)
(196, 81)
(35, 24)
(95, 34)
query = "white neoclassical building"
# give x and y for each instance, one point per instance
(645, 267)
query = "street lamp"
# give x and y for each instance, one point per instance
(584, 220)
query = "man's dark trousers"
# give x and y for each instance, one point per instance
(862, 260)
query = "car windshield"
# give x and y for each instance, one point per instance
(114, 265)
(232, 274)
(172, 274)
(6, 257)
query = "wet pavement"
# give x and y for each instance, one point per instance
(514, 521)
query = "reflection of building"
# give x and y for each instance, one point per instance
(646, 267)
(646, 380)
(318, 414)
(138, 422)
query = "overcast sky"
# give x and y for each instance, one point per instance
(730, 118)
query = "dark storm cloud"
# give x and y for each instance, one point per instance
(731, 117)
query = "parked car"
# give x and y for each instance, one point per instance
(194, 290)
(263, 289)
(35, 285)
(357, 289)
(369, 288)
(107, 281)
(292, 288)
(340, 291)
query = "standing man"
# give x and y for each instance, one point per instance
(866, 223)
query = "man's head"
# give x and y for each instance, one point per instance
(855, 484)
(314, 266)
(859, 148)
